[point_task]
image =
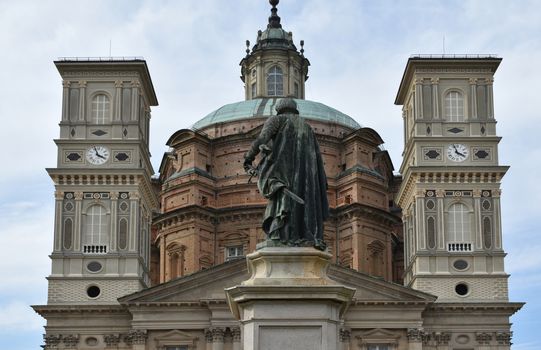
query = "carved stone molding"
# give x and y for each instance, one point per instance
(504, 338)
(70, 340)
(217, 335)
(483, 338)
(78, 196)
(111, 339)
(235, 334)
(51, 341)
(208, 336)
(473, 81)
(118, 83)
(136, 337)
(113, 195)
(134, 195)
(345, 335)
(58, 195)
(416, 334)
(435, 80)
(442, 338)
(82, 83)
(66, 83)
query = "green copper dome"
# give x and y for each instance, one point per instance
(264, 107)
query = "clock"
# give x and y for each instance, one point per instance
(97, 155)
(457, 152)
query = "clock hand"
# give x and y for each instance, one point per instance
(99, 155)
(460, 154)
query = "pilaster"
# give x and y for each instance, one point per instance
(435, 98)
(65, 100)
(415, 338)
(490, 98)
(82, 100)
(345, 339)
(118, 101)
(137, 339)
(473, 93)
(78, 196)
(59, 200)
(236, 336)
(114, 221)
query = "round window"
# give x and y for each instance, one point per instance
(486, 204)
(460, 264)
(93, 291)
(91, 341)
(94, 266)
(461, 289)
(430, 204)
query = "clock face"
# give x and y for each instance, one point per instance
(457, 152)
(97, 155)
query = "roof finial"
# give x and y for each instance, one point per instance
(302, 47)
(274, 20)
(247, 47)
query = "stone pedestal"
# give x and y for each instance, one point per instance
(289, 302)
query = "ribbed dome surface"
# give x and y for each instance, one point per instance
(264, 107)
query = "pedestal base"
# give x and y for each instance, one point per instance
(289, 302)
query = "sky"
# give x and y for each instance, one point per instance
(358, 50)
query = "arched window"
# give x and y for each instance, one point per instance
(458, 228)
(454, 106)
(96, 235)
(100, 109)
(275, 82)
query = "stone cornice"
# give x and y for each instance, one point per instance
(456, 175)
(362, 210)
(507, 308)
(105, 178)
(212, 215)
(49, 310)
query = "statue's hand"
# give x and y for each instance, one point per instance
(248, 165)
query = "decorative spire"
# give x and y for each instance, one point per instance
(274, 19)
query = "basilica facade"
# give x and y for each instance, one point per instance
(141, 261)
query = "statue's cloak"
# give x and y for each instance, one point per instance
(291, 159)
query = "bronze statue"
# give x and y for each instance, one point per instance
(291, 177)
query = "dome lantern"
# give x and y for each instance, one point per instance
(274, 67)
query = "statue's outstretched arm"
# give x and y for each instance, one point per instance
(270, 128)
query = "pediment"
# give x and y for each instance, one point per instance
(371, 289)
(210, 284)
(175, 335)
(207, 284)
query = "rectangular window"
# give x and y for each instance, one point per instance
(234, 252)
(254, 90)
(296, 87)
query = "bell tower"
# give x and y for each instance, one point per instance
(104, 195)
(450, 193)
(274, 67)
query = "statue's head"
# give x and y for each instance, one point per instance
(286, 105)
